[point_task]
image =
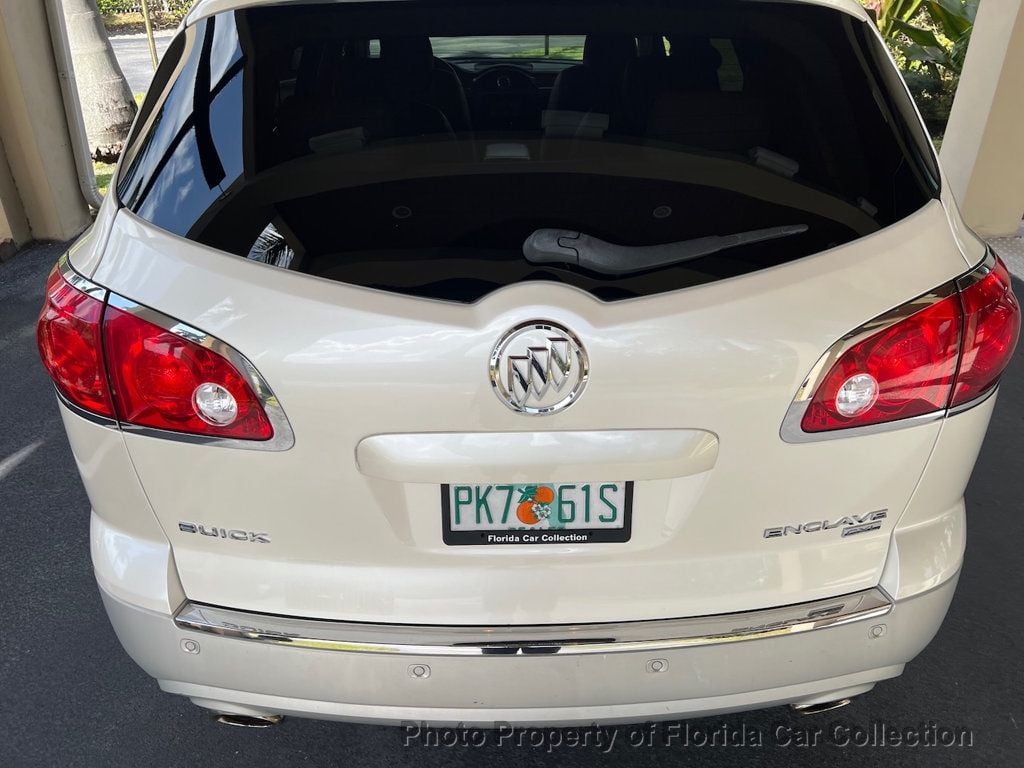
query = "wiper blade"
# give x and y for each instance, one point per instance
(564, 246)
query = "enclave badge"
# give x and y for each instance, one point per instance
(851, 525)
(539, 368)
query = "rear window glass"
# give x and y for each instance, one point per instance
(448, 150)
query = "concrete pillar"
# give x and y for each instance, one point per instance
(14, 229)
(38, 181)
(983, 149)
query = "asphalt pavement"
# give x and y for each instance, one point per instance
(132, 52)
(69, 696)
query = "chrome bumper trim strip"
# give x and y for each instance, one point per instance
(548, 640)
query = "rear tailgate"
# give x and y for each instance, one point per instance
(698, 382)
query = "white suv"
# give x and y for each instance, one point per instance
(544, 363)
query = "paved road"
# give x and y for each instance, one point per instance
(132, 52)
(1012, 251)
(70, 697)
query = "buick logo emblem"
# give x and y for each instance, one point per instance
(539, 368)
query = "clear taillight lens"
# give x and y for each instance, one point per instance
(68, 334)
(947, 354)
(165, 381)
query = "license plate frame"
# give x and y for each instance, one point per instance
(534, 537)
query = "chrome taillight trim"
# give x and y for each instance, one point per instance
(284, 437)
(979, 273)
(792, 430)
(545, 640)
(77, 410)
(80, 282)
(958, 409)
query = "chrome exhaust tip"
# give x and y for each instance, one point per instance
(829, 700)
(819, 707)
(247, 721)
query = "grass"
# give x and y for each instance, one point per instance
(571, 53)
(105, 171)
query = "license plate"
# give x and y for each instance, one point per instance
(542, 513)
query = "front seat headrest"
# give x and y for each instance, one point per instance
(693, 64)
(609, 53)
(408, 62)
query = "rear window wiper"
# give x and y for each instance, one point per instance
(565, 246)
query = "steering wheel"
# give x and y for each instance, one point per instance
(505, 98)
(504, 79)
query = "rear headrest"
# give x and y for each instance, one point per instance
(609, 53)
(693, 65)
(407, 62)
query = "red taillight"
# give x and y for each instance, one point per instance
(113, 363)
(69, 345)
(991, 328)
(165, 381)
(947, 354)
(911, 366)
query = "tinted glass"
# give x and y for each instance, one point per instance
(448, 150)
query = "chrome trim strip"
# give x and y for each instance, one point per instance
(980, 272)
(791, 430)
(78, 281)
(973, 403)
(284, 437)
(95, 418)
(548, 640)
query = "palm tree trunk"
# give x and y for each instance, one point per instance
(107, 102)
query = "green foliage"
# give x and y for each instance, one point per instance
(931, 33)
(175, 7)
(892, 12)
(929, 40)
(925, 47)
(934, 97)
(953, 21)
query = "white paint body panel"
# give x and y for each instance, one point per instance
(520, 457)
(131, 555)
(349, 364)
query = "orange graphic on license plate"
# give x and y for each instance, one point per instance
(535, 504)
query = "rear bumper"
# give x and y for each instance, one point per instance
(548, 640)
(254, 664)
